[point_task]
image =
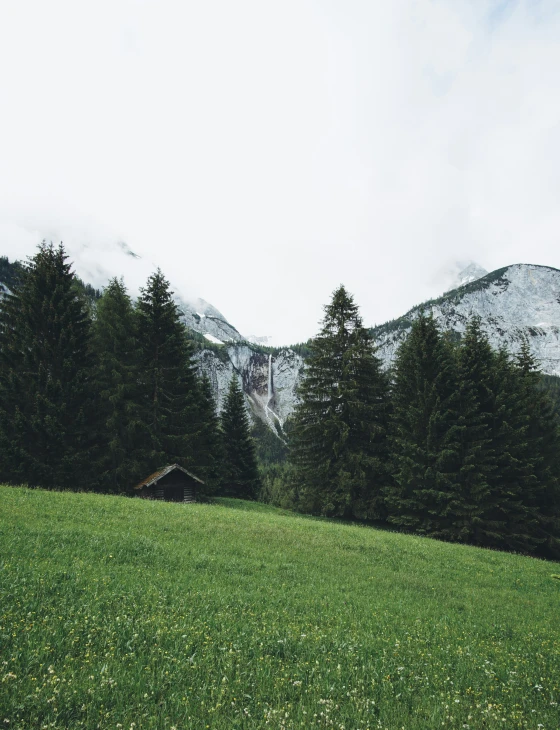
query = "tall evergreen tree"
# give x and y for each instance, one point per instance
(425, 432)
(474, 500)
(169, 383)
(209, 447)
(240, 472)
(46, 409)
(514, 479)
(542, 497)
(338, 440)
(121, 460)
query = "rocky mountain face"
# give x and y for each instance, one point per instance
(269, 381)
(207, 321)
(514, 302)
(269, 378)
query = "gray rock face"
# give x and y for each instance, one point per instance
(268, 381)
(515, 302)
(207, 320)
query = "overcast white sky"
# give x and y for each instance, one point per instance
(264, 152)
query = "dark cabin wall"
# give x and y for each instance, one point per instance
(173, 487)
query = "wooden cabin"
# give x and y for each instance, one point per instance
(171, 484)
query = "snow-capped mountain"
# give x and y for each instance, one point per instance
(514, 302)
(472, 272)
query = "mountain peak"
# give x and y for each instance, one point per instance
(466, 275)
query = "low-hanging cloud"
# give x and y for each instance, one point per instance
(262, 153)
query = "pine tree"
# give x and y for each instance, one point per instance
(209, 448)
(240, 471)
(337, 444)
(46, 410)
(473, 507)
(542, 498)
(502, 483)
(425, 432)
(170, 404)
(514, 478)
(121, 461)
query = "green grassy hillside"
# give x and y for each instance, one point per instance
(127, 613)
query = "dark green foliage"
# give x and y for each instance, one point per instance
(200, 343)
(279, 485)
(87, 291)
(270, 447)
(338, 445)
(46, 408)
(10, 272)
(425, 435)
(241, 476)
(514, 479)
(474, 444)
(303, 349)
(495, 469)
(168, 381)
(121, 462)
(543, 445)
(550, 385)
(209, 447)
(474, 505)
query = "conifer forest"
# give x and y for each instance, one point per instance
(456, 441)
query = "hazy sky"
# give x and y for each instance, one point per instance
(264, 152)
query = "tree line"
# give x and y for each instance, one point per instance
(456, 440)
(99, 398)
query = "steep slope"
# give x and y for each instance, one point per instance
(205, 319)
(269, 380)
(517, 301)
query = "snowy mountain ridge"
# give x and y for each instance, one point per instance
(205, 319)
(516, 302)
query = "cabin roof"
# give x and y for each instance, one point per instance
(157, 475)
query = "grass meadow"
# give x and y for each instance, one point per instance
(125, 613)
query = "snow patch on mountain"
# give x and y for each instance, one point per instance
(205, 319)
(213, 339)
